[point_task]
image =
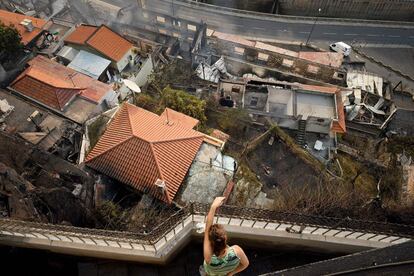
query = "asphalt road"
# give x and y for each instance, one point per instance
(289, 30)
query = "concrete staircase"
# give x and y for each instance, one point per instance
(300, 136)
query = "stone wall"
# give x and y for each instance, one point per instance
(250, 5)
(399, 10)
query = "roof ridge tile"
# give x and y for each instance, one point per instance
(142, 161)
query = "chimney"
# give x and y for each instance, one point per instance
(160, 184)
(27, 23)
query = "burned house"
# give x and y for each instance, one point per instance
(312, 114)
(367, 112)
(264, 59)
(39, 126)
(365, 81)
(291, 105)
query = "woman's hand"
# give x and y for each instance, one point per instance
(218, 201)
(207, 250)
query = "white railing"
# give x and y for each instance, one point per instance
(158, 245)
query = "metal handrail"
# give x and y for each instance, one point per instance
(232, 212)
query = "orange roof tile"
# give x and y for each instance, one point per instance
(216, 133)
(10, 18)
(109, 43)
(102, 39)
(318, 88)
(51, 96)
(140, 147)
(45, 78)
(81, 34)
(339, 125)
(175, 117)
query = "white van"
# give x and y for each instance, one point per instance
(341, 47)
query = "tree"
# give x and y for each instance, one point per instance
(147, 102)
(183, 102)
(10, 42)
(234, 121)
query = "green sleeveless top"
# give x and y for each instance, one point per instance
(224, 265)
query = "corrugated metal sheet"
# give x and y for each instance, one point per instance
(366, 81)
(67, 53)
(89, 64)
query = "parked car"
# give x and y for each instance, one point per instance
(341, 47)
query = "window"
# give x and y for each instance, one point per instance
(254, 101)
(191, 27)
(338, 75)
(209, 32)
(287, 62)
(176, 35)
(239, 50)
(313, 69)
(162, 31)
(161, 19)
(262, 56)
(235, 89)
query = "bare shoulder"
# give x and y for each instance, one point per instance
(238, 250)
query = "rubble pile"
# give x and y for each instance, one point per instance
(41, 187)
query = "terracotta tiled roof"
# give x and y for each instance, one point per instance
(102, 39)
(318, 88)
(51, 96)
(81, 34)
(139, 147)
(180, 118)
(10, 18)
(339, 125)
(54, 84)
(109, 43)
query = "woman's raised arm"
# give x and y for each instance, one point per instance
(207, 250)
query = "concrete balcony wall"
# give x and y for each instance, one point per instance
(124, 246)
